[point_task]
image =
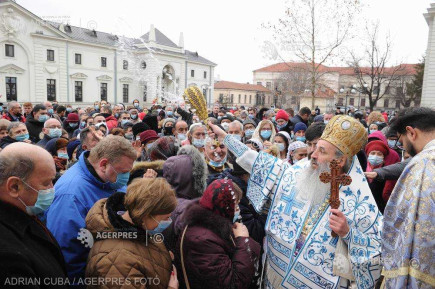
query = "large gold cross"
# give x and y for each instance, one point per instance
(336, 179)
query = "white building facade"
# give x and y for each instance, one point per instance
(42, 60)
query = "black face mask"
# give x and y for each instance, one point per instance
(167, 131)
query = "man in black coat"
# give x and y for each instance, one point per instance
(35, 122)
(29, 253)
(302, 116)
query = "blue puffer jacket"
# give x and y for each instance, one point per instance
(75, 194)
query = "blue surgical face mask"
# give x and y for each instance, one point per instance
(169, 113)
(237, 137)
(116, 115)
(121, 180)
(181, 136)
(249, 132)
(251, 116)
(219, 117)
(44, 200)
(273, 119)
(373, 130)
(161, 227)
(73, 125)
(281, 126)
(392, 143)
(68, 109)
(300, 138)
(198, 142)
(133, 116)
(325, 121)
(218, 164)
(124, 122)
(62, 155)
(22, 137)
(236, 216)
(375, 160)
(292, 135)
(136, 104)
(96, 107)
(148, 146)
(83, 124)
(281, 146)
(129, 136)
(265, 134)
(43, 118)
(50, 111)
(55, 132)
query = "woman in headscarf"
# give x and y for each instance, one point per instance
(215, 251)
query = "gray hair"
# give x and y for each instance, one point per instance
(14, 124)
(340, 154)
(269, 113)
(15, 165)
(236, 122)
(12, 104)
(195, 126)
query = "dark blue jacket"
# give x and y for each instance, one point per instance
(75, 194)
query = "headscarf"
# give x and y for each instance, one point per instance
(256, 134)
(220, 198)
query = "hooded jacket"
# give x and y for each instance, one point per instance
(34, 127)
(133, 257)
(76, 192)
(187, 174)
(213, 257)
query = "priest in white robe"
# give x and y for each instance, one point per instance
(299, 249)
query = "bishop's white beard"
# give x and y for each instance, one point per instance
(309, 186)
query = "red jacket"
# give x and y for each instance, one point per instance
(8, 116)
(111, 122)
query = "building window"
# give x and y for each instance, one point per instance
(259, 83)
(50, 55)
(125, 64)
(125, 93)
(363, 102)
(245, 99)
(386, 102)
(78, 58)
(232, 98)
(78, 91)
(387, 90)
(9, 50)
(399, 91)
(221, 97)
(51, 89)
(103, 91)
(145, 92)
(340, 101)
(103, 62)
(352, 101)
(204, 92)
(269, 85)
(397, 103)
(192, 73)
(240, 98)
(250, 99)
(376, 90)
(11, 88)
(143, 65)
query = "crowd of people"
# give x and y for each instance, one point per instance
(125, 196)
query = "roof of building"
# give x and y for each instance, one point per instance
(161, 39)
(195, 57)
(403, 69)
(239, 86)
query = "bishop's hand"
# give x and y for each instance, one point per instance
(220, 133)
(338, 223)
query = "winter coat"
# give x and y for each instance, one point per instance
(34, 127)
(213, 257)
(297, 119)
(28, 249)
(43, 142)
(391, 172)
(135, 257)
(19, 117)
(76, 192)
(7, 140)
(111, 122)
(185, 115)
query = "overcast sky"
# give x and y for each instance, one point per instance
(227, 32)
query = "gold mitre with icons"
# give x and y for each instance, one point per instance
(194, 97)
(346, 133)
